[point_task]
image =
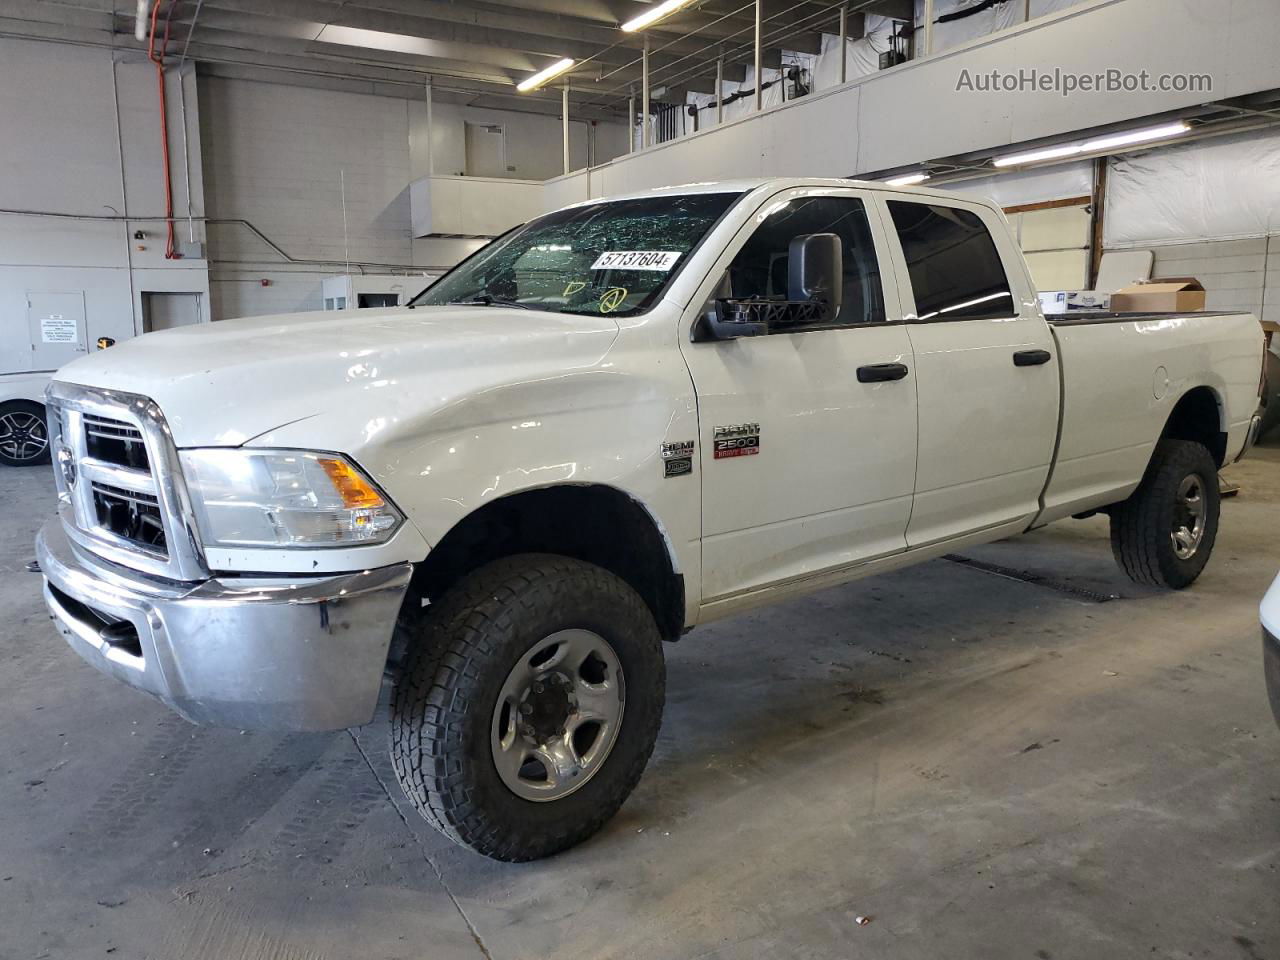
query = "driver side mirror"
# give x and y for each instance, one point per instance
(815, 271)
(815, 289)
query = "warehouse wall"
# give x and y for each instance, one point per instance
(277, 155)
(534, 141)
(81, 138)
(1209, 210)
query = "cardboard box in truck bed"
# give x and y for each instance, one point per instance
(1164, 295)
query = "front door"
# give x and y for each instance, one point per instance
(807, 449)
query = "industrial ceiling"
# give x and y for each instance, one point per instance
(472, 52)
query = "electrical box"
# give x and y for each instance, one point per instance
(355, 291)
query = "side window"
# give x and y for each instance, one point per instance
(953, 263)
(759, 271)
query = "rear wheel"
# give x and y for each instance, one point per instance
(1164, 533)
(24, 434)
(528, 705)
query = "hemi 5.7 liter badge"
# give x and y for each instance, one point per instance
(677, 458)
(736, 440)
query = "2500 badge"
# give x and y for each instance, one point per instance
(736, 440)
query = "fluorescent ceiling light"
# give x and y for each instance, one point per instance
(909, 180)
(542, 76)
(654, 14)
(1137, 136)
(1109, 142)
(1035, 156)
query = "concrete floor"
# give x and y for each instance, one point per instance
(984, 766)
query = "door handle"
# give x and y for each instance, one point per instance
(882, 372)
(1031, 358)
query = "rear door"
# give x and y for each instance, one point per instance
(804, 466)
(986, 368)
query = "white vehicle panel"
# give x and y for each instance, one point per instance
(1121, 381)
(24, 386)
(831, 482)
(1270, 610)
(987, 427)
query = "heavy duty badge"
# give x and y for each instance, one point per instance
(736, 440)
(677, 458)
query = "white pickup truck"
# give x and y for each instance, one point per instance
(619, 421)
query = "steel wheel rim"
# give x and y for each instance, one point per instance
(557, 715)
(1188, 517)
(23, 436)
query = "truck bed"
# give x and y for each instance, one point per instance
(1122, 374)
(1103, 316)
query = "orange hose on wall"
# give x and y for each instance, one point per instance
(157, 57)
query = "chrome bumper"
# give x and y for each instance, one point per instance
(271, 653)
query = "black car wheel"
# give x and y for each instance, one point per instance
(24, 434)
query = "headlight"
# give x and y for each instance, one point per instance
(284, 498)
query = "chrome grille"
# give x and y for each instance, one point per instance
(116, 442)
(117, 473)
(130, 514)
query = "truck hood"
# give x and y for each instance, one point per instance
(223, 384)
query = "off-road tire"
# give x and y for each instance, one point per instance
(1140, 526)
(459, 651)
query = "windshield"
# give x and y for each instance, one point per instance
(614, 257)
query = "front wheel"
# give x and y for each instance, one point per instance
(1163, 534)
(528, 705)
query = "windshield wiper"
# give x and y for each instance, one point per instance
(485, 300)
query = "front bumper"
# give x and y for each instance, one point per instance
(270, 653)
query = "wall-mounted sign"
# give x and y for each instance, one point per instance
(57, 328)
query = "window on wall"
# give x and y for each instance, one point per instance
(953, 263)
(759, 271)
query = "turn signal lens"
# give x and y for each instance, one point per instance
(355, 490)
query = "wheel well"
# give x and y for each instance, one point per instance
(1197, 416)
(598, 524)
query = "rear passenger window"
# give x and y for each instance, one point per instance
(759, 271)
(954, 267)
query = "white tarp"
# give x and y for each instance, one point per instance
(1211, 190)
(862, 56)
(1032, 186)
(1006, 13)
(747, 105)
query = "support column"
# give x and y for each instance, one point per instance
(720, 89)
(928, 29)
(631, 121)
(564, 121)
(431, 154)
(644, 93)
(844, 43)
(759, 69)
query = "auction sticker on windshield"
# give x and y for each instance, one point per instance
(657, 260)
